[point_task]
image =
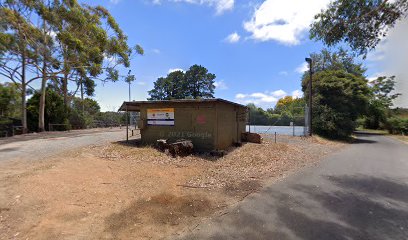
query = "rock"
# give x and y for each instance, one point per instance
(251, 137)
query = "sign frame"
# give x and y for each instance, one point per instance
(160, 117)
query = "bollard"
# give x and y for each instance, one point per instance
(275, 137)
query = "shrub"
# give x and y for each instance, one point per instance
(339, 99)
(397, 125)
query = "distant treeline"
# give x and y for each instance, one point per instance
(287, 110)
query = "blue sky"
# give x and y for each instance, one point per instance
(178, 34)
(256, 48)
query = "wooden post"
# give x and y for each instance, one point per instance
(127, 125)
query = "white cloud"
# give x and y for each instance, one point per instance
(265, 100)
(283, 21)
(114, 1)
(220, 5)
(141, 83)
(279, 93)
(297, 94)
(283, 73)
(232, 38)
(155, 50)
(302, 68)
(175, 69)
(220, 85)
(258, 95)
(240, 96)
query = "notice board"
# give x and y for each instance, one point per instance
(160, 117)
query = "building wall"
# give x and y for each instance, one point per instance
(195, 122)
(231, 121)
(212, 125)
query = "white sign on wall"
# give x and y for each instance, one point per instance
(160, 117)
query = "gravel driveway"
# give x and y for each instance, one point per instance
(42, 145)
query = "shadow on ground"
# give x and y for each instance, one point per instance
(56, 135)
(209, 156)
(10, 149)
(363, 133)
(364, 208)
(356, 207)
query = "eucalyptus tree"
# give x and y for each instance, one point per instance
(359, 23)
(60, 41)
(88, 43)
(18, 41)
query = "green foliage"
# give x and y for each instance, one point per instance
(340, 60)
(397, 125)
(381, 100)
(339, 98)
(359, 23)
(291, 107)
(83, 113)
(61, 42)
(287, 110)
(10, 100)
(55, 110)
(399, 112)
(106, 119)
(197, 82)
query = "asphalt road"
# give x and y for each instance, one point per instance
(360, 192)
(32, 147)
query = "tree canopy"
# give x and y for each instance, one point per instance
(339, 98)
(382, 96)
(288, 109)
(336, 60)
(60, 42)
(195, 83)
(359, 23)
(9, 100)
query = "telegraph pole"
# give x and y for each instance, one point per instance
(309, 60)
(127, 113)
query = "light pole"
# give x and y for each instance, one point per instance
(127, 113)
(129, 85)
(309, 60)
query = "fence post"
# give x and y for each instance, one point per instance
(275, 137)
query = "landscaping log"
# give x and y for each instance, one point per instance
(180, 147)
(251, 137)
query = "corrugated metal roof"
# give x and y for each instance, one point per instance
(135, 105)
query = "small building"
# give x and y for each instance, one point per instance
(211, 124)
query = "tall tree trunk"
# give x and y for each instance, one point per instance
(23, 93)
(82, 96)
(41, 117)
(65, 80)
(65, 88)
(41, 112)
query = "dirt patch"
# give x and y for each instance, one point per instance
(119, 191)
(164, 209)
